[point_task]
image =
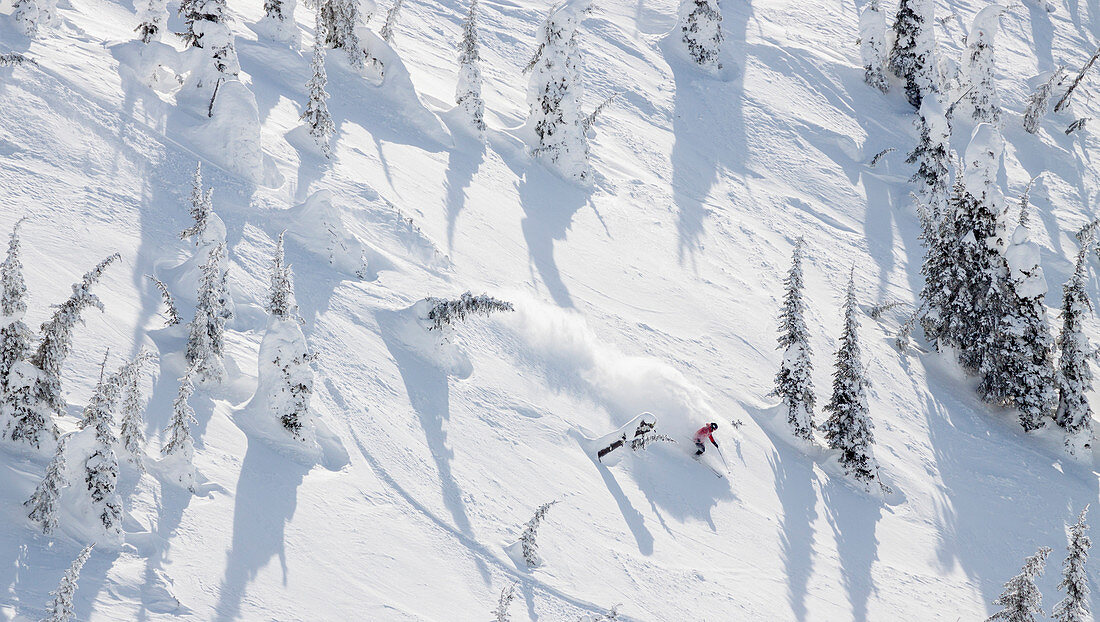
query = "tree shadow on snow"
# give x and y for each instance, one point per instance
(266, 497)
(634, 519)
(794, 483)
(854, 517)
(462, 164)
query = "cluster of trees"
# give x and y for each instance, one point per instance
(1022, 601)
(848, 429)
(984, 287)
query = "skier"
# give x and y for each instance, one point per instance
(705, 433)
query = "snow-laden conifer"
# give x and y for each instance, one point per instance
(444, 312)
(151, 20)
(131, 435)
(205, 341)
(179, 449)
(980, 66)
(60, 608)
(555, 91)
(507, 595)
(700, 24)
(202, 206)
(341, 18)
(171, 313)
(848, 428)
(794, 381)
(468, 89)
(1018, 368)
(975, 270)
(43, 503)
(872, 46)
(1074, 378)
(35, 395)
(912, 58)
(316, 114)
(1040, 99)
(390, 25)
(101, 466)
(285, 377)
(278, 21)
(1021, 599)
(932, 155)
(1075, 581)
(15, 337)
(32, 15)
(529, 539)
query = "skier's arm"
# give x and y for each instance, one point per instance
(712, 441)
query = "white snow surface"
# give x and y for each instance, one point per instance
(654, 289)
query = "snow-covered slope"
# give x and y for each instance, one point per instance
(654, 290)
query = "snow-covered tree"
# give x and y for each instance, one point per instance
(1040, 99)
(932, 156)
(1074, 378)
(1075, 582)
(872, 46)
(794, 382)
(980, 66)
(202, 206)
(189, 10)
(468, 89)
(179, 449)
(15, 337)
(849, 428)
(444, 312)
(101, 466)
(131, 435)
(35, 388)
(555, 91)
(528, 540)
(391, 21)
(507, 595)
(701, 27)
(31, 15)
(975, 273)
(172, 314)
(60, 608)
(152, 17)
(1021, 598)
(285, 377)
(316, 114)
(43, 503)
(278, 21)
(1018, 368)
(208, 28)
(913, 57)
(205, 342)
(341, 18)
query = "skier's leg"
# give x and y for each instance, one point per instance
(700, 447)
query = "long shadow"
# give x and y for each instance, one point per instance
(1042, 35)
(155, 598)
(462, 165)
(634, 519)
(854, 517)
(429, 395)
(549, 204)
(794, 483)
(266, 497)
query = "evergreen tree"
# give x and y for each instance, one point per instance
(131, 436)
(152, 18)
(1019, 369)
(468, 89)
(528, 540)
(341, 18)
(61, 608)
(849, 428)
(391, 21)
(975, 272)
(872, 46)
(280, 296)
(15, 337)
(205, 342)
(278, 21)
(980, 65)
(43, 503)
(171, 312)
(794, 382)
(1074, 378)
(31, 15)
(180, 448)
(701, 28)
(202, 207)
(1021, 598)
(555, 91)
(913, 56)
(932, 155)
(36, 398)
(1040, 99)
(1075, 582)
(507, 595)
(190, 12)
(101, 467)
(316, 114)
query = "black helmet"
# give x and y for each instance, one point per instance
(714, 426)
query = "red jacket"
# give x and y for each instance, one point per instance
(705, 433)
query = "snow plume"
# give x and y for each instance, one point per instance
(626, 385)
